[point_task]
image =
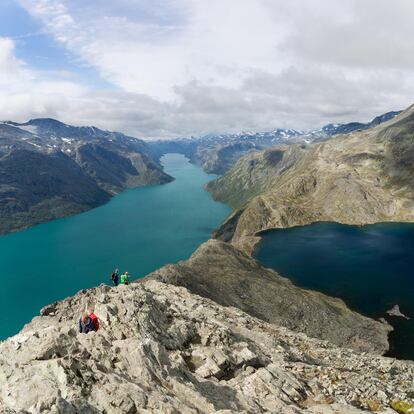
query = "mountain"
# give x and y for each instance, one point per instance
(49, 170)
(163, 349)
(218, 153)
(331, 130)
(359, 178)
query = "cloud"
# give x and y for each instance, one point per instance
(10, 66)
(27, 92)
(351, 34)
(189, 67)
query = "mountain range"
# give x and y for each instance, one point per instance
(217, 153)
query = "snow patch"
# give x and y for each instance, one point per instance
(28, 128)
(35, 145)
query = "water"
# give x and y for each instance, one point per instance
(370, 267)
(138, 231)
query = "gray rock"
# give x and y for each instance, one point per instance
(395, 311)
(177, 352)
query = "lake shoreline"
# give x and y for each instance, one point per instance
(353, 297)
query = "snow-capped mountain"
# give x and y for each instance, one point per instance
(331, 130)
(216, 153)
(288, 136)
(49, 135)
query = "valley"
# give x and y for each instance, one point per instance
(50, 170)
(206, 207)
(219, 309)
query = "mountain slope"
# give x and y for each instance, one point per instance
(49, 169)
(36, 187)
(359, 178)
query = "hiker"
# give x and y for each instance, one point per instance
(125, 279)
(115, 278)
(88, 323)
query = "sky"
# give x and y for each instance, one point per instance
(174, 68)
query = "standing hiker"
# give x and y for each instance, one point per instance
(125, 279)
(114, 277)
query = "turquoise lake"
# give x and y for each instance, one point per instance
(371, 268)
(138, 231)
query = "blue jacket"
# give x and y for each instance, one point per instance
(89, 326)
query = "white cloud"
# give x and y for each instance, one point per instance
(184, 67)
(26, 92)
(10, 66)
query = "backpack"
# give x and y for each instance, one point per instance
(95, 320)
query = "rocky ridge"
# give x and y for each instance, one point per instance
(220, 272)
(162, 349)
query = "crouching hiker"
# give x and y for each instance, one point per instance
(88, 323)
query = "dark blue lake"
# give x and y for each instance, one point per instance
(139, 231)
(370, 268)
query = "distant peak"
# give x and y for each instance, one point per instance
(44, 122)
(385, 117)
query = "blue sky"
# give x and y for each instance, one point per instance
(38, 48)
(163, 68)
(33, 44)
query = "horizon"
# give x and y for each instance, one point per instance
(17, 124)
(169, 69)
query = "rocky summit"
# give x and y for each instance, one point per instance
(162, 349)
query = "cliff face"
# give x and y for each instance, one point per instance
(360, 178)
(162, 349)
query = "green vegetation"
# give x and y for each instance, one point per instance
(403, 407)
